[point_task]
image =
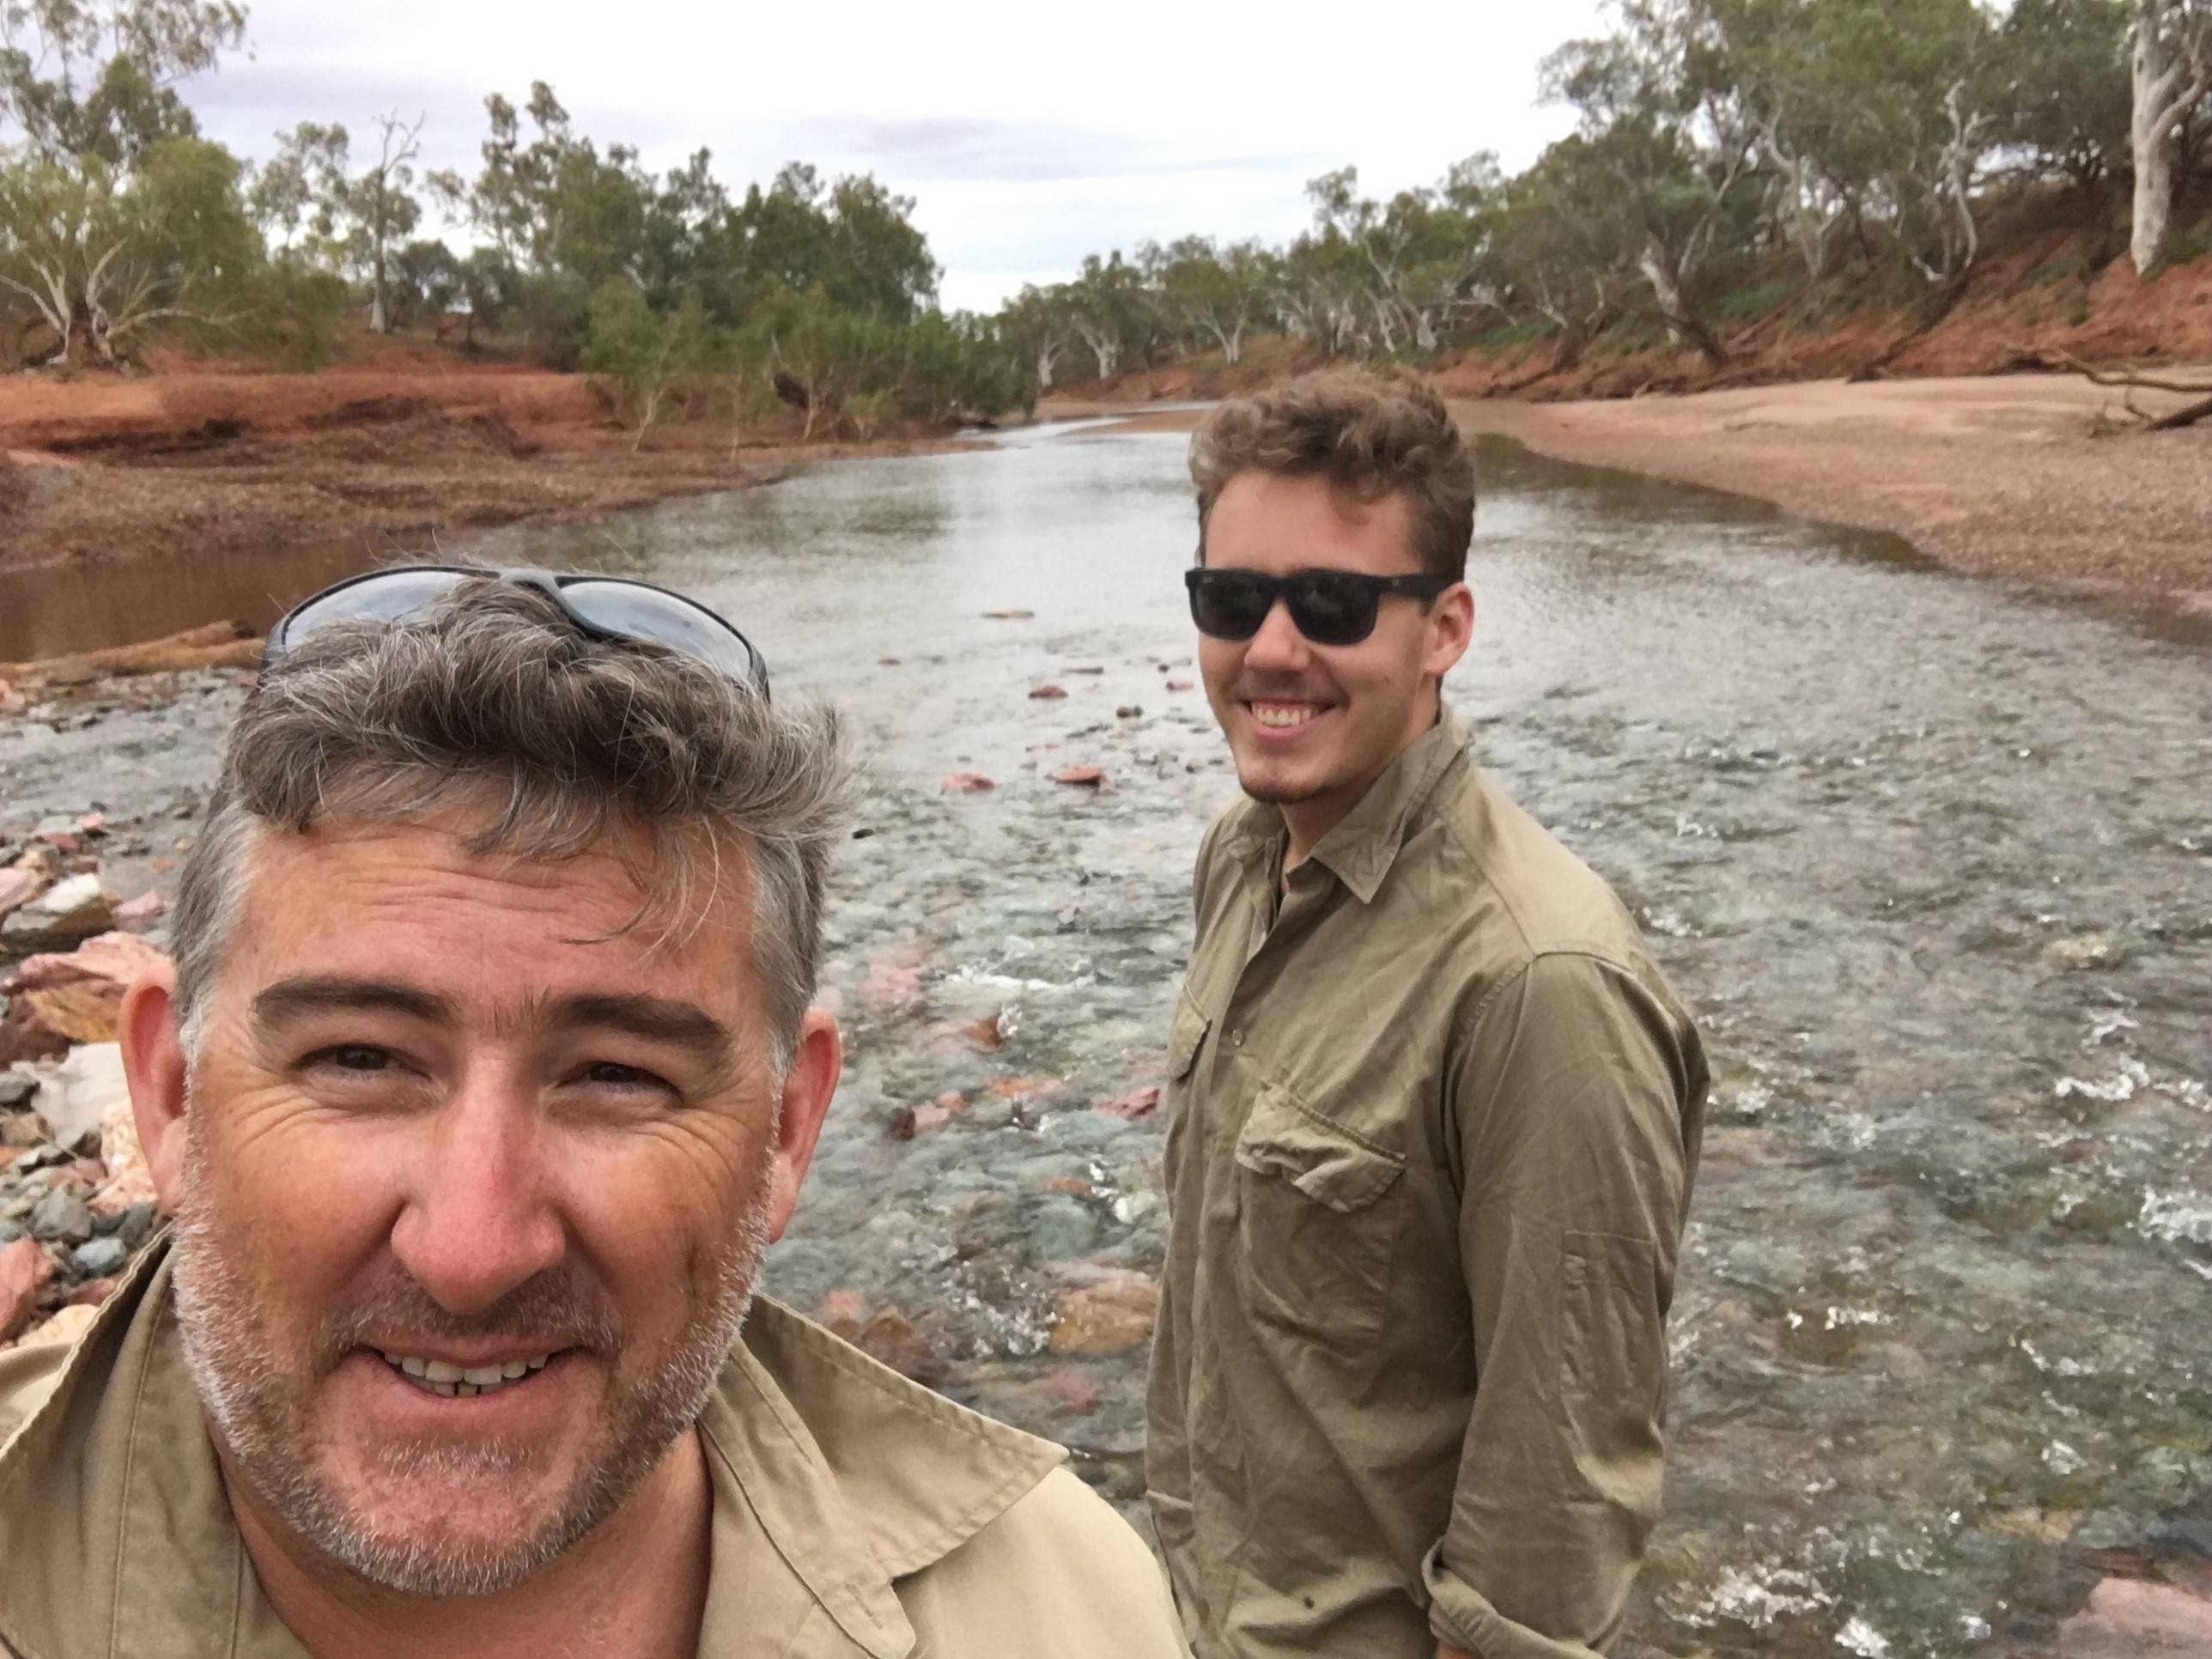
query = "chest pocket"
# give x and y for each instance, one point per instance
(1318, 1221)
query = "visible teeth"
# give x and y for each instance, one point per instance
(464, 1382)
(1282, 715)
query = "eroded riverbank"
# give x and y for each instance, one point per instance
(1932, 859)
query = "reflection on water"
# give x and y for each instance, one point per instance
(1934, 862)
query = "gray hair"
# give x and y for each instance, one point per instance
(496, 696)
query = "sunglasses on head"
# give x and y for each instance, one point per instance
(1329, 607)
(604, 607)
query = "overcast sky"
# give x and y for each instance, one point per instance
(1029, 134)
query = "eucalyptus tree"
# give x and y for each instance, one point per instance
(2170, 73)
(98, 78)
(2066, 66)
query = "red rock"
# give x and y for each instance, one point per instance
(1008, 615)
(24, 1271)
(889, 987)
(952, 1035)
(889, 1336)
(61, 841)
(94, 824)
(1047, 693)
(1089, 777)
(1075, 1391)
(1075, 1186)
(1179, 685)
(91, 1294)
(1024, 1088)
(1113, 1310)
(840, 1307)
(965, 783)
(135, 915)
(79, 993)
(908, 1121)
(1137, 1103)
(20, 885)
(2135, 1618)
(25, 1035)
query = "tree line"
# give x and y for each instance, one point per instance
(120, 222)
(1713, 140)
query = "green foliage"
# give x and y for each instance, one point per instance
(1750, 304)
(643, 355)
(292, 315)
(2193, 243)
(96, 79)
(2057, 269)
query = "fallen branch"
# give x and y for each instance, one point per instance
(2055, 357)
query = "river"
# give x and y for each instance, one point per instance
(1932, 859)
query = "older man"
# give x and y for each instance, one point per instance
(1434, 1110)
(485, 1076)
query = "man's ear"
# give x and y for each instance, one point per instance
(1451, 625)
(817, 1060)
(154, 1063)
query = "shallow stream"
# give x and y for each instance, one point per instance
(1932, 857)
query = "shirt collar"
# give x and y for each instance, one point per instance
(1360, 848)
(833, 1476)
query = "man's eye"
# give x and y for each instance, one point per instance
(354, 1057)
(611, 1074)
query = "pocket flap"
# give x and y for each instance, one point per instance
(1185, 1036)
(1329, 1163)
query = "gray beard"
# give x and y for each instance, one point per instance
(257, 1400)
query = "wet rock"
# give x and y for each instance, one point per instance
(1008, 615)
(76, 1096)
(965, 783)
(133, 1224)
(908, 1121)
(1110, 1311)
(1179, 685)
(889, 986)
(64, 1328)
(1076, 1393)
(24, 1271)
(1060, 1230)
(953, 1036)
(2084, 954)
(1137, 1103)
(65, 915)
(889, 1336)
(1047, 693)
(840, 1307)
(99, 1258)
(1090, 670)
(16, 1088)
(136, 915)
(2137, 1619)
(1129, 711)
(19, 885)
(1085, 777)
(62, 1218)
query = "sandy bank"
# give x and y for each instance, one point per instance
(2014, 476)
(115, 470)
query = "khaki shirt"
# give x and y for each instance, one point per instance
(1430, 1128)
(854, 1513)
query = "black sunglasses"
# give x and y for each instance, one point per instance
(604, 607)
(1329, 607)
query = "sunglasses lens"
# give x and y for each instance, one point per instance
(646, 613)
(1331, 607)
(1230, 604)
(385, 597)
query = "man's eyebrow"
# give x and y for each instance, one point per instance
(308, 994)
(661, 1019)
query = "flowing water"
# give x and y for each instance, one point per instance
(1932, 859)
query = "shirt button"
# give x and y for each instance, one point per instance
(1236, 1038)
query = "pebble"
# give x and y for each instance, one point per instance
(65, 914)
(61, 1215)
(99, 1258)
(16, 1088)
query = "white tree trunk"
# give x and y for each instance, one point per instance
(1664, 288)
(2168, 73)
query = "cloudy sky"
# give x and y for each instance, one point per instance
(1029, 134)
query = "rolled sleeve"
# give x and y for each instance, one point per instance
(1576, 1095)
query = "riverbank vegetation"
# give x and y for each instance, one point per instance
(122, 226)
(1739, 170)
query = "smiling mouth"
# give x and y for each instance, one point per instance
(1285, 716)
(464, 1382)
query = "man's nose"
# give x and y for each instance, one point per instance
(479, 1219)
(1278, 645)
